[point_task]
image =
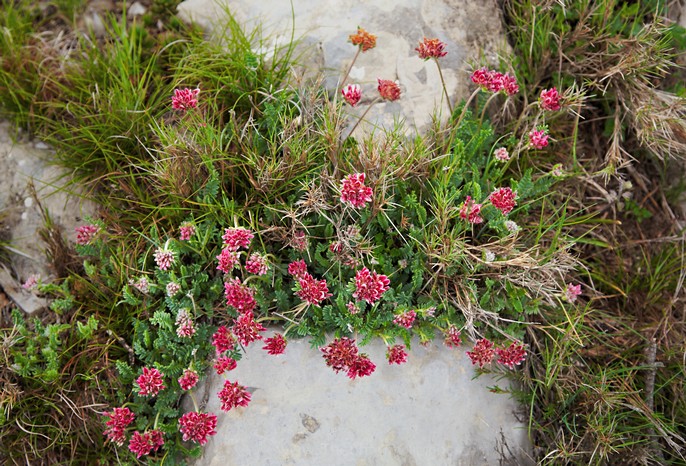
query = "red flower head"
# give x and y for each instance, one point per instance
(197, 426)
(538, 139)
(223, 340)
(471, 211)
(139, 444)
(388, 90)
(431, 48)
(480, 76)
(233, 395)
(452, 337)
(239, 296)
(312, 290)
(354, 192)
(482, 353)
(550, 99)
(235, 238)
(370, 285)
(224, 364)
(510, 85)
(396, 354)
(256, 264)
(186, 230)
(246, 329)
(150, 382)
(361, 366)
(185, 99)
(503, 199)
(297, 268)
(406, 319)
(352, 93)
(275, 345)
(512, 356)
(120, 418)
(572, 292)
(189, 379)
(86, 233)
(363, 39)
(227, 260)
(340, 353)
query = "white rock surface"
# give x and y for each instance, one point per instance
(428, 411)
(469, 28)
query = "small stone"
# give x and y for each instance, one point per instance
(41, 145)
(28, 202)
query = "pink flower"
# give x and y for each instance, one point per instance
(239, 296)
(340, 353)
(189, 379)
(156, 439)
(120, 418)
(538, 139)
(150, 382)
(186, 230)
(224, 364)
(275, 345)
(572, 292)
(256, 264)
(142, 285)
(185, 328)
(233, 395)
(363, 39)
(235, 238)
(510, 85)
(172, 289)
(223, 340)
(352, 94)
(86, 233)
(431, 48)
(501, 154)
(361, 366)
(312, 290)
(480, 76)
(352, 308)
(246, 329)
(511, 356)
(550, 99)
(503, 199)
(197, 426)
(396, 354)
(164, 258)
(185, 99)
(388, 90)
(482, 353)
(297, 268)
(370, 285)
(471, 211)
(31, 282)
(406, 319)
(354, 192)
(452, 337)
(495, 81)
(227, 260)
(139, 444)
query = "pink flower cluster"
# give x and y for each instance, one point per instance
(342, 354)
(164, 258)
(431, 48)
(185, 99)
(538, 138)
(501, 154)
(452, 337)
(120, 418)
(144, 444)
(236, 238)
(247, 329)
(186, 230)
(150, 382)
(550, 99)
(239, 296)
(388, 90)
(471, 211)
(256, 264)
(172, 289)
(396, 354)
(572, 292)
(406, 319)
(484, 351)
(86, 233)
(185, 328)
(311, 290)
(495, 81)
(227, 260)
(223, 340)
(197, 426)
(189, 379)
(31, 282)
(233, 395)
(275, 345)
(503, 199)
(297, 268)
(352, 93)
(354, 192)
(224, 364)
(369, 286)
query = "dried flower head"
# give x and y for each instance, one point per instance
(354, 191)
(363, 39)
(388, 90)
(431, 48)
(197, 426)
(352, 93)
(185, 99)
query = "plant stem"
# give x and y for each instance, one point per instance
(466, 105)
(347, 73)
(361, 118)
(445, 89)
